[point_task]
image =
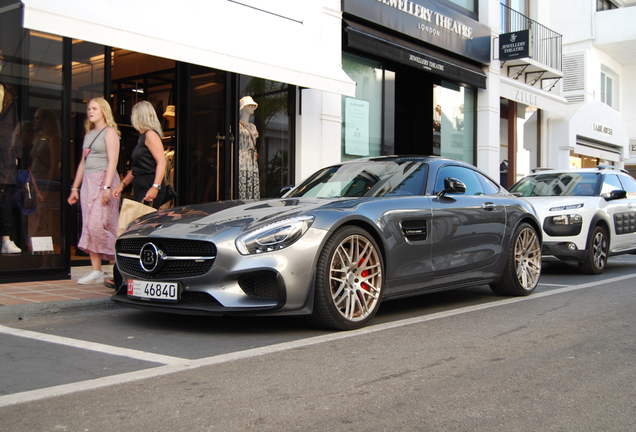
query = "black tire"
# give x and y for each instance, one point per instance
(349, 281)
(523, 265)
(597, 249)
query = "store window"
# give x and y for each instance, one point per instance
(603, 5)
(87, 83)
(362, 115)
(30, 146)
(609, 87)
(465, 4)
(453, 121)
(265, 134)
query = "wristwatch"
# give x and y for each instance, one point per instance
(158, 186)
(106, 187)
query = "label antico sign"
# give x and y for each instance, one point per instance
(428, 21)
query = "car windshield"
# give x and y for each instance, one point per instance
(558, 184)
(365, 179)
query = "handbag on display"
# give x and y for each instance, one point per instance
(131, 210)
(25, 196)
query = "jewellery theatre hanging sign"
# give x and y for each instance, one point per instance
(514, 45)
(427, 21)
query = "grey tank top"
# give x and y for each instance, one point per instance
(97, 159)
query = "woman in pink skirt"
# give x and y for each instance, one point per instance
(97, 174)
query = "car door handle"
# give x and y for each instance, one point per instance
(488, 206)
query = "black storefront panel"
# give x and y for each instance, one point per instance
(385, 46)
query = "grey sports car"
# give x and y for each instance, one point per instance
(335, 246)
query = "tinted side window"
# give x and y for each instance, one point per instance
(466, 175)
(610, 183)
(489, 187)
(629, 185)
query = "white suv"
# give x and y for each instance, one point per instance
(587, 214)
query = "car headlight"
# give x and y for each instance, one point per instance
(567, 207)
(567, 219)
(276, 236)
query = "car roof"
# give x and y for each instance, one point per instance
(598, 169)
(401, 158)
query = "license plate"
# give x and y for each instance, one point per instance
(153, 290)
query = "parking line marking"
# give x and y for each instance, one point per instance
(65, 389)
(92, 346)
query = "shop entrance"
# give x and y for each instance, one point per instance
(413, 112)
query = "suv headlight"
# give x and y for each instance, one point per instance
(276, 236)
(571, 219)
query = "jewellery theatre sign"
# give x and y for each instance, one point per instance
(429, 22)
(514, 45)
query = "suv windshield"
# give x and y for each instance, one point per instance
(558, 184)
(365, 179)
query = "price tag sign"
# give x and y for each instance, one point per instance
(42, 244)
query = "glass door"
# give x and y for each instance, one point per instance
(206, 135)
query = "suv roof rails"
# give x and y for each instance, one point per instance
(604, 167)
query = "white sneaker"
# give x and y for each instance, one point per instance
(92, 277)
(10, 247)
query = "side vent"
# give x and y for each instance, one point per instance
(574, 78)
(414, 230)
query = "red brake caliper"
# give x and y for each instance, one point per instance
(365, 273)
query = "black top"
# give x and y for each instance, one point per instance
(143, 162)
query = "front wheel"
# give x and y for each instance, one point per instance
(348, 280)
(597, 249)
(523, 267)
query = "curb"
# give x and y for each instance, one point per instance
(46, 310)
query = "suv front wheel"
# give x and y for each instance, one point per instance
(598, 245)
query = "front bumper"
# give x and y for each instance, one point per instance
(227, 283)
(562, 252)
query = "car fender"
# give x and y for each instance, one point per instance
(599, 218)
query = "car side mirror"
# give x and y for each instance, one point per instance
(452, 185)
(616, 194)
(284, 190)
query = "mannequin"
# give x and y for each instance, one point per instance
(9, 151)
(249, 187)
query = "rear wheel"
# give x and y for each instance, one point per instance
(348, 280)
(523, 267)
(598, 246)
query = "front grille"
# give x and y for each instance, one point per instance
(262, 284)
(167, 269)
(172, 247)
(194, 297)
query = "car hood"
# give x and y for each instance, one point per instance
(211, 218)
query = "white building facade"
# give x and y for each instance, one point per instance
(333, 79)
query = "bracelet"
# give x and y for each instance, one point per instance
(75, 189)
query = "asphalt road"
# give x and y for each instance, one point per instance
(562, 359)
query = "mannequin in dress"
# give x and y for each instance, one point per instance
(249, 184)
(9, 151)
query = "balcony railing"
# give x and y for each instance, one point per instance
(545, 44)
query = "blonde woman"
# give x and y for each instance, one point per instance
(148, 160)
(97, 174)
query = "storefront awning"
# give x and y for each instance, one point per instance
(386, 46)
(227, 35)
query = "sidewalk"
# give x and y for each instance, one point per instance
(24, 300)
